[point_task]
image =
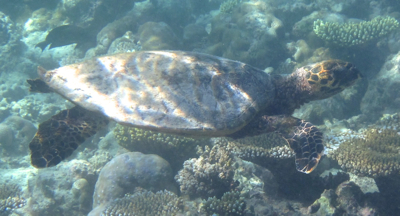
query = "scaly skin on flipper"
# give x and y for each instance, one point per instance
(306, 142)
(59, 136)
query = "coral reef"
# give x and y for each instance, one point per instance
(252, 31)
(10, 198)
(175, 149)
(350, 34)
(157, 36)
(300, 50)
(117, 28)
(133, 169)
(145, 203)
(348, 199)
(15, 134)
(248, 34)
(370, 152)
(6, 28)
(228, 6)
(81, 191)
(58, 191)
(126, 43)
(231, 203)
(211, 174)
(38, 107)
(265, 146)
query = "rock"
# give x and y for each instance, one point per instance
(324, 205)
(350, 197)
(157, 36)
(127, 171)
(382, 94)
(366, 184)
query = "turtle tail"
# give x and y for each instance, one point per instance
(58, 137)
(307, 143)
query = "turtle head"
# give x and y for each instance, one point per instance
(324, 79)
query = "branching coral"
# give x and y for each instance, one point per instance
(176, 149)
(209, 175)
(10, 198)
(145, 203)
(350, 34)
(372, 152)
(231, 203)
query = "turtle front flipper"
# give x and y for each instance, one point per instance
(307, 143)
(59, 136)
(303, 137)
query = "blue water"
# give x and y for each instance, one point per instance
(196, 175)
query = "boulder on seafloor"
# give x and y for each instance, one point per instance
(157, 36)
(130, 170)
(382, 96)
(348, 199)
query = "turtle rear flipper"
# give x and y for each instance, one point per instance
(59, 136)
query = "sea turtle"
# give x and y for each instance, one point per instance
(184, 93)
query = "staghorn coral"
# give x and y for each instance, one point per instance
(370, 152)
(145, 203)
(231, 203)
(10, 198)
(209, 175)
(174, 148)
(350, 34)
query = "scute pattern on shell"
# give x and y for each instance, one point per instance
(176, 92)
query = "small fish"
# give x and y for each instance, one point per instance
(69, 34)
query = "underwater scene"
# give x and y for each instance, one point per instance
(199, 107)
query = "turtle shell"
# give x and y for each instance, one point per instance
(168, 91)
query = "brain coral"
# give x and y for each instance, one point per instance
(145, 203)
(373, 152)
(350, 34)
(130, 170)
